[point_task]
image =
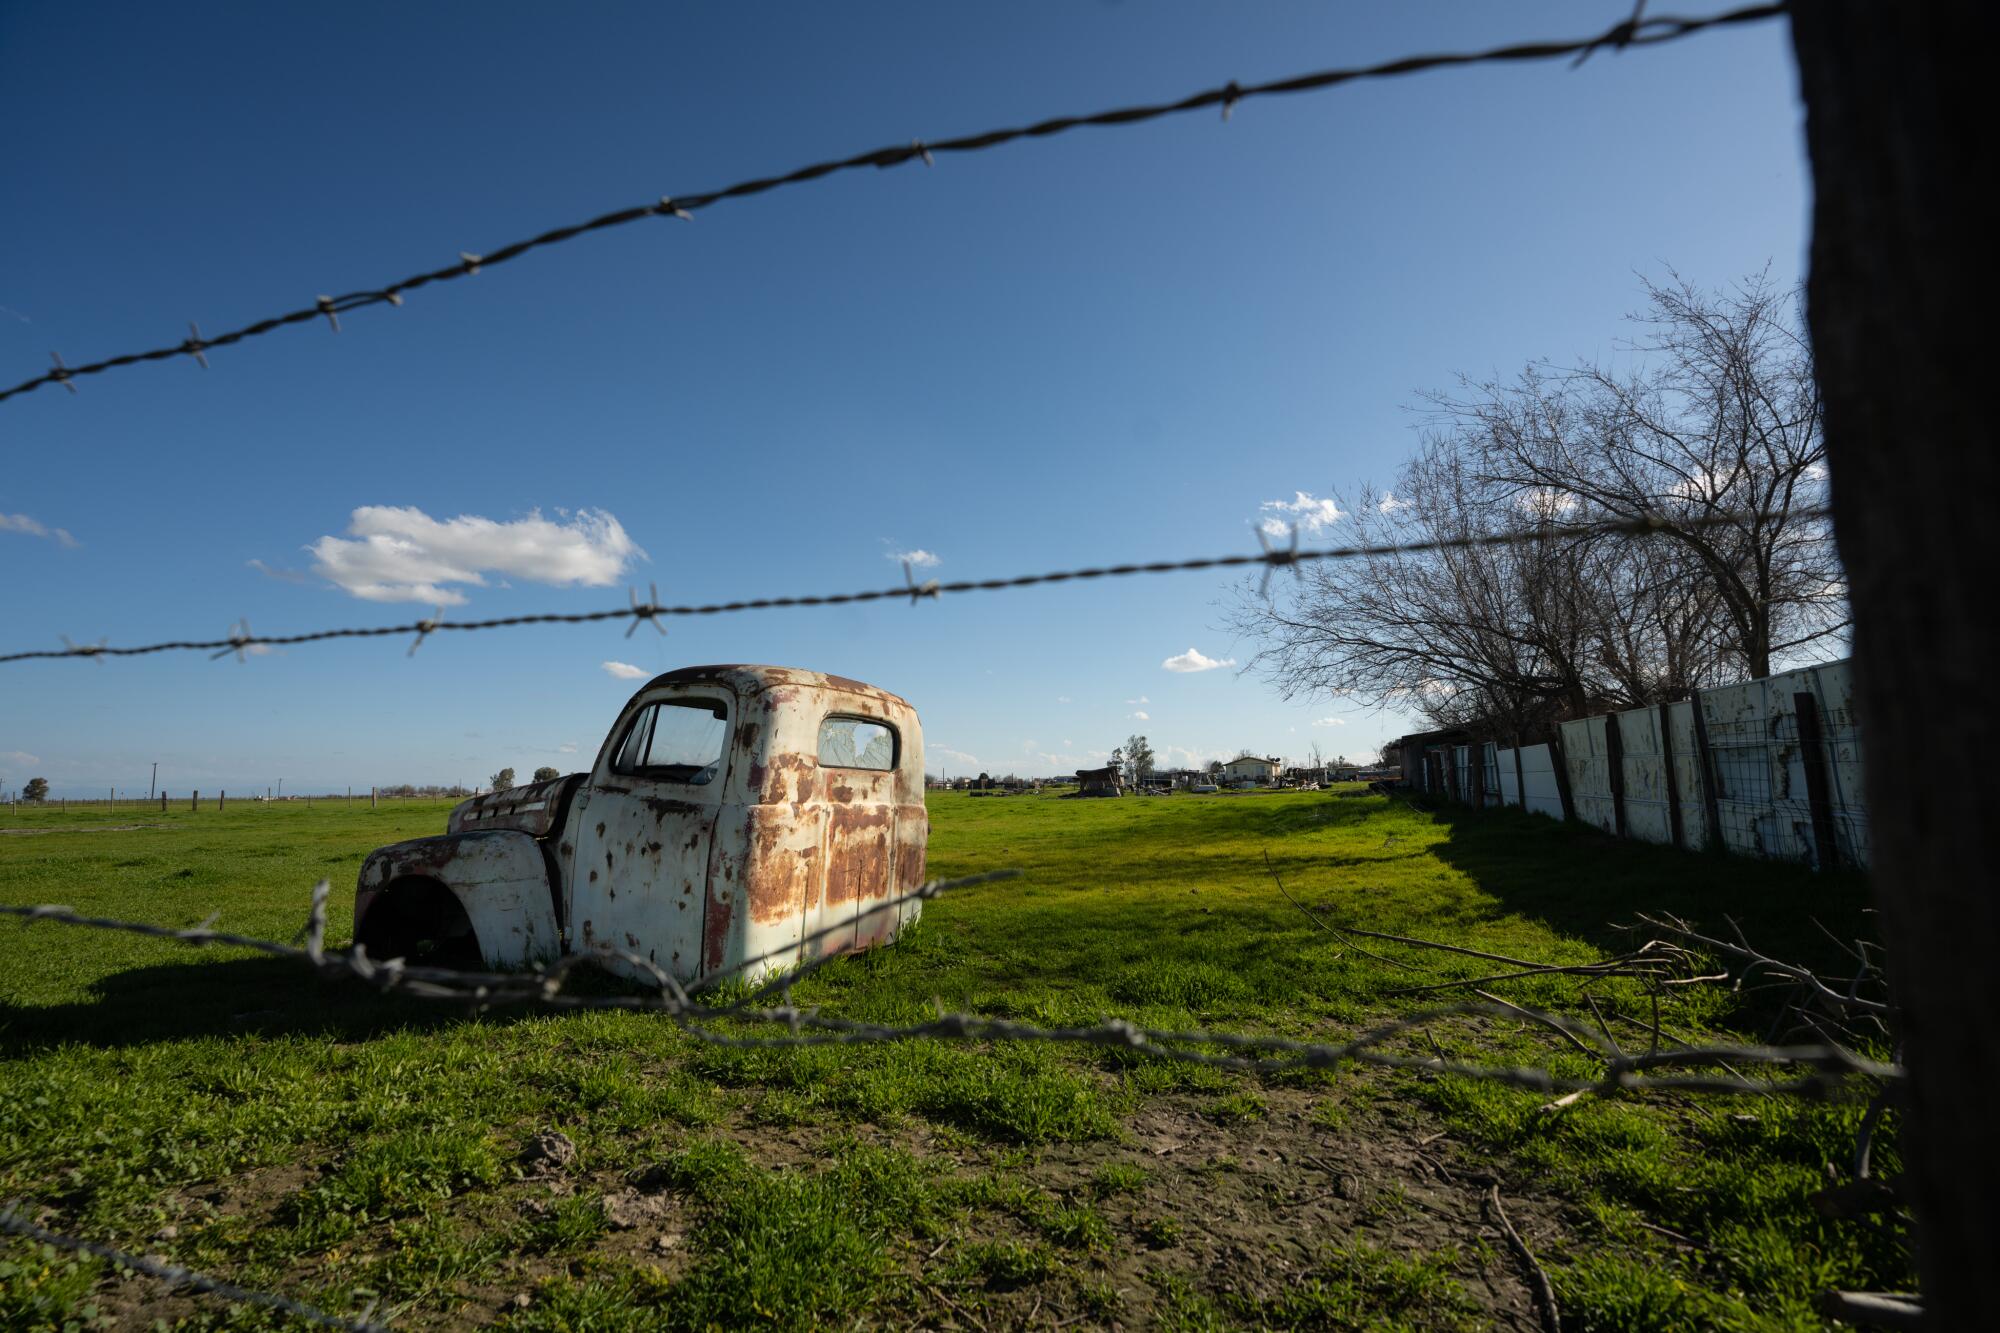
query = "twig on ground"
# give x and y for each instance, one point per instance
(1312, 917)
(1877, 1309)
(1545, 1293)
(1532, 1016)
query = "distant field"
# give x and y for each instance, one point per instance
(220, 1109)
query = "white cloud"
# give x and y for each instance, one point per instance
(274, 572)
(916, 559)
(1142, 699)
(1064, 699)
(405, 555)
(567, 747)
(1143, 715)
(1195, 660)
(18, 757)
(1389, 504)
(959, 757)
(625, 671)
(1303, 509)
(21, 523)
(1329, 722)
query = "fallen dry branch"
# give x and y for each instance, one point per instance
(1545, 1292)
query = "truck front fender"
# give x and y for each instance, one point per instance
(498, 879)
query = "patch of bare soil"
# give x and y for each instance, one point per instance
(1255, 1205)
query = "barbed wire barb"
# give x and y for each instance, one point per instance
(917, 591)
(1634, 30)
(646, 614)
(425, 628)
(239, 642)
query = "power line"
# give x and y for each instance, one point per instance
(652, 610)
(1634, 31)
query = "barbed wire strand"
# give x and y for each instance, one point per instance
(1828, 1065)
(174, 1275)
(1635, 30)
(1270, 558)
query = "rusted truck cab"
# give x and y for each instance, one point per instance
(737, 818)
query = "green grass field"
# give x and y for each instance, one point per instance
(246, 1120)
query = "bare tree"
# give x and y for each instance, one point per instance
(1716, 432)
(1717, 435)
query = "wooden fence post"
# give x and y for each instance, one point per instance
(1614, 758)
(221, 799)
(1812, 753)
(163, 803)
(1562, 771)
(1704, 766)
(194, 800)
(1476, 761)
(1520, 777)
(373, 803)
(1673, 778)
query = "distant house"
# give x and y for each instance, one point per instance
(1253, 768)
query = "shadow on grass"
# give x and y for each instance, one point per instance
(1585, 883)
(236, 998)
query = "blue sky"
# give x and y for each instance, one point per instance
(1114, 345)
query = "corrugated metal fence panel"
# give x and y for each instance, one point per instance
(1687, 773)
(1647, 816)
(1589, 772)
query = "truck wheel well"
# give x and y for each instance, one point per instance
(419, 918)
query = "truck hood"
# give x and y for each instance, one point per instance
(536, 809)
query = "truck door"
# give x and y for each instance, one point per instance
(645, 824)
(858, 757)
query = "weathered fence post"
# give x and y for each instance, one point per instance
(194, 800)
(1520, 776)
(1614, 758)
(1895, 96)
(1819, 801)
(1673, 778)
(1475, 756)
(1562, 771)
(1704, 766)
(221, 799)
(373, 803)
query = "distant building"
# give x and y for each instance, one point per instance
(1252, 768)
(1098, 782)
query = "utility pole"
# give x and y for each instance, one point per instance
(153, 781)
